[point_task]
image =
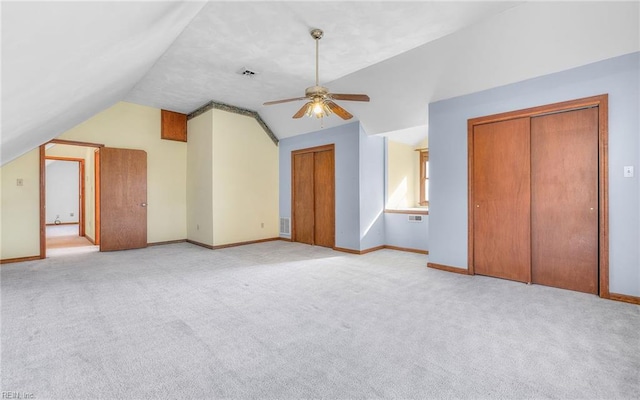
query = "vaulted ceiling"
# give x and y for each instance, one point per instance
(63, 62)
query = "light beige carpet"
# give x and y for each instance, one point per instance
(282, 320)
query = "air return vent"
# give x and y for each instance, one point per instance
(246, 71)
(284, 226)
(415, 218)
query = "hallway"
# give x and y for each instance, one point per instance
(64, 239)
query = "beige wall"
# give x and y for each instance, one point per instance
(230, 192)
(403, 175)
(200, 179)
(20, 207)
(245, 179)
(232, 180)
(133, 126)
(90, 193)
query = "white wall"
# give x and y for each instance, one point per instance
(20, 207)
(62, 191)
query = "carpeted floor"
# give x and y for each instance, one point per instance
(288, 321)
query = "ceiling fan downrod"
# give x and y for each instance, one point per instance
(317, 34)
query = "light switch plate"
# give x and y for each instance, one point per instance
(628, 171)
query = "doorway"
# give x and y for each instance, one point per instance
(68, 198)
(538, 185)
(313, 196)
(115, 198)
(65, 204)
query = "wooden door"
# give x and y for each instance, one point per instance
(564, 203)
(313, 196)
(324, 232)
(501, 197)
(303, 198)
(96, 182)
(123, 199)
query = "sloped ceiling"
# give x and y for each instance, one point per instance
(64, 62)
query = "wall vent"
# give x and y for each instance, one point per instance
(285, 226)
(246, 72)
(415, 218)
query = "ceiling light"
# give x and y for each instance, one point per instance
(320, 101)
(317, 108)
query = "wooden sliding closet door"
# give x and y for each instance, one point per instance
(313, 196)
(538, 190)
(564, 202)
(501, 196)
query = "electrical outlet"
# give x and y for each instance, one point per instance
(197, 227)
(628, 171)
(71, 214)
(262, 225)
(19, 182)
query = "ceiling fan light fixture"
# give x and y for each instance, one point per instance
(320, 101)
(318, 108)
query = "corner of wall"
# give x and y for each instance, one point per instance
(371, 190)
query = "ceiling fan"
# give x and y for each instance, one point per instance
(320, 100)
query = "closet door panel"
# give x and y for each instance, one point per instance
(324, 198)
(564, 159)
(303, 198)
(501, 193)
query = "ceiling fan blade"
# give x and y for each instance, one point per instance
(301, 111)
(349, 97)
(339, 111)
(268, 103)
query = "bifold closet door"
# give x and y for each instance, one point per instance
(564, 200)
(501, 193)
(324, 198)
(314, 197)
(303, 198)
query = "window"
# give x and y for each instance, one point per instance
(424, 177)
